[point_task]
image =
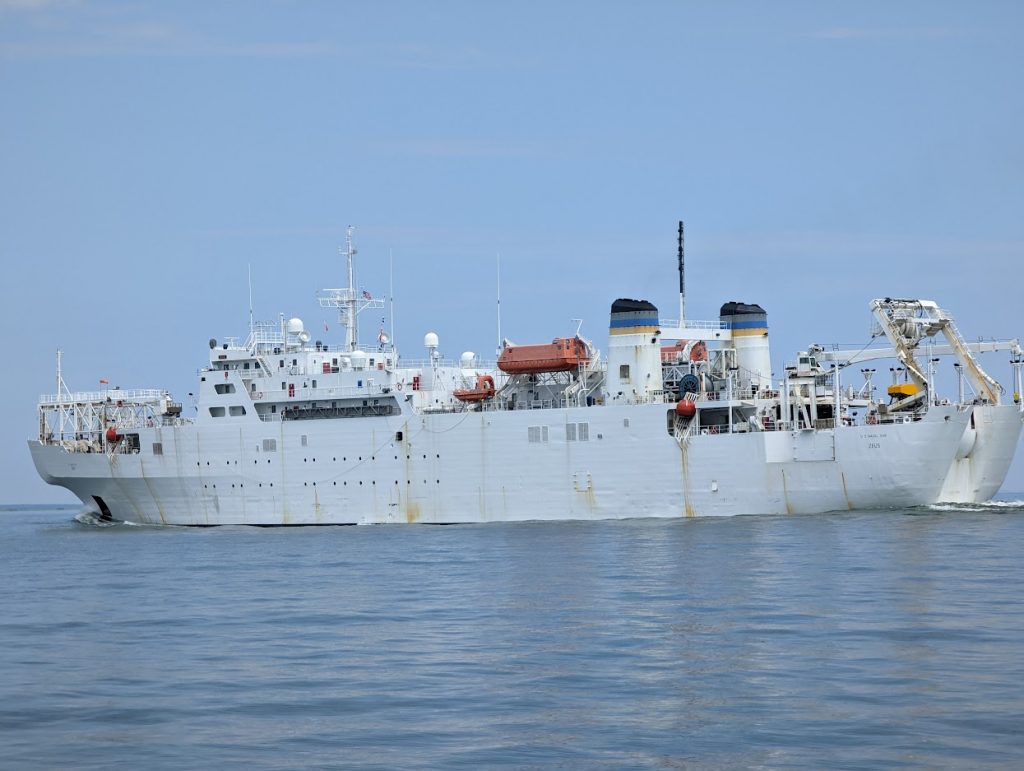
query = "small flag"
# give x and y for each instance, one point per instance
(103, 381)
(325, 327)
(367, 295)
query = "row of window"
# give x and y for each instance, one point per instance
(270, 445)
(234, 411)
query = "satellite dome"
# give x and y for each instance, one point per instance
(294, 326)
(430, 340)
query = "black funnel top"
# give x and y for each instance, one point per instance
(623, 305)
(741, 309)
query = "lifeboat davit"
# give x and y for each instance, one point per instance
(563, 354)
(684, 350)
(484, 390)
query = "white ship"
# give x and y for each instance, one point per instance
(679, 419)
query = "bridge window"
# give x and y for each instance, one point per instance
(217, 412)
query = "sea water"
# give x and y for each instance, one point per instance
(851, 640)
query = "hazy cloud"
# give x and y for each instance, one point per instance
(865, 33)
(867, 248)
(150, 47)
(29, 5)
(425, 57)
(65, 29)
(448, 147)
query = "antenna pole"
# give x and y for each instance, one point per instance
(391, 294)
(682, 277)
(499, 302)
(250, 302)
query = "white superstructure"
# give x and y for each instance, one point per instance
(684, 418)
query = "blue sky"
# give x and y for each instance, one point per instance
(821, 154)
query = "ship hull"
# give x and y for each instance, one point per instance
(575, 463)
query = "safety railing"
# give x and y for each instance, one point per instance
(143, 395)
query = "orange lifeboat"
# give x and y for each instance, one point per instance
(698, 351)
(563, 354)
(484, 390)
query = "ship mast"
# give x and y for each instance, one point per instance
(351, 322)
(682, 279)
(347, 300)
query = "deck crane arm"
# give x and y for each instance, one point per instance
(906, 322)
